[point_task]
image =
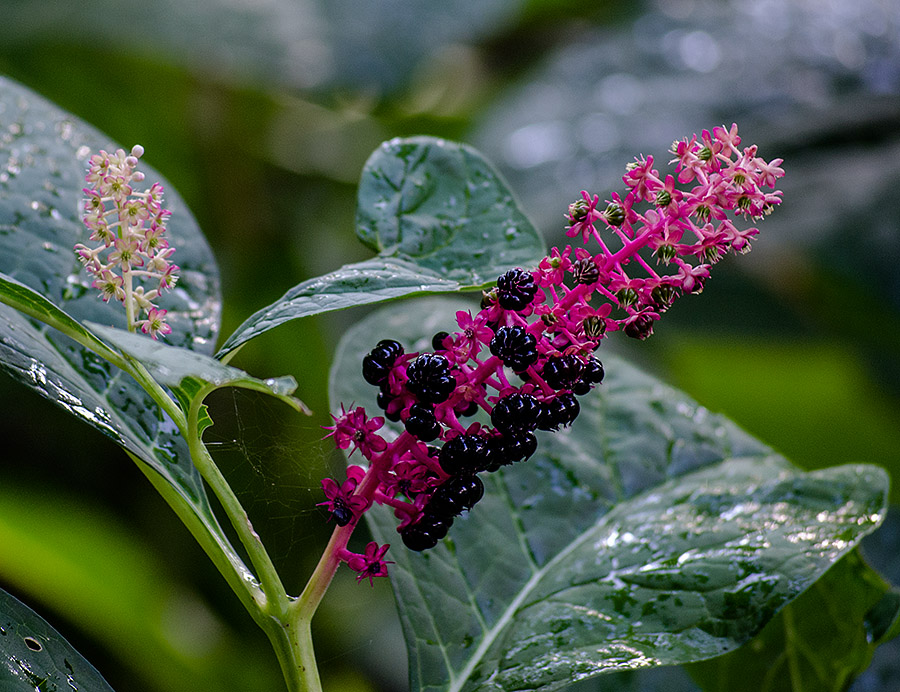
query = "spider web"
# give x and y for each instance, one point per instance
(274, 460)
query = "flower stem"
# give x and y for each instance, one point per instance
(129, 299)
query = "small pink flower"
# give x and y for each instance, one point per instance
(473, 334)
(553, 268)
(370, 565)
(357, 429)
(155, 324)
(582, 215)
(342, 503)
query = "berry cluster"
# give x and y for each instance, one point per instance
(527, 355)
(129, 226)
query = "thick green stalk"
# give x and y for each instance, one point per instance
(275, 595)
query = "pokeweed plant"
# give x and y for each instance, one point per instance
(527, 549)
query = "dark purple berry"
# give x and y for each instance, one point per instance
(417, 538)
(516, 289)
(379, 361)
(518, 446)
(455, 495)
(562, 372)
(495, 455)
(421, 423)
(559, 412)
(593, 371)
(430, 379)
(426, 532)
(516, 412)
(515, 347)
(470, 410)
(375, 372)
(437, 341)
(581, 387)
(384, 400)
(465, 454)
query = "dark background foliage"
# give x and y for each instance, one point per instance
(262, 115)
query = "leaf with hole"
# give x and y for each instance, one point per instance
(652, 532)
(37, 657)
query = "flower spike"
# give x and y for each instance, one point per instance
(528, 355)
(129, 227)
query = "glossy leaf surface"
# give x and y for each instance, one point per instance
(821, 638)
(652, 532)
(441, 219)
(36, 656)
(186, 372)
(46, 150)
(126, 598)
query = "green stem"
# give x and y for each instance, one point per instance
(276, 598)
(293, 646)
(129, 300)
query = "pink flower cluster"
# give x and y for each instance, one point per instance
(688, 230)
(129, 227)
(525, 358)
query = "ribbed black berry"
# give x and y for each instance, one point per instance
(495, 455)
(518, 446)
(455, 495)
(585, 271)
(464, 454)
(562, 372)
(559, 412)
(515, 347)
(516, 289)
(430, 379)
(516, 412)
(437, 341)
(426, 532)
(421, 423)
(593, 371)
(379, 361)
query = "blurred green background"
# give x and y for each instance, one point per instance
(262, 114)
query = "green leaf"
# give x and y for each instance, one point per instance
(45, 150)
(821, 639)
(441, 219)
(189, 374)
(37, 657)
(19, 296)
(126, 597)
(652, 532)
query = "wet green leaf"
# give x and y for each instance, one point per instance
(652, 532)
(24, 299)
(36, 657)
(818, 643)
(126, 597)
(45, 152)
(188, 374)
(441, 219)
